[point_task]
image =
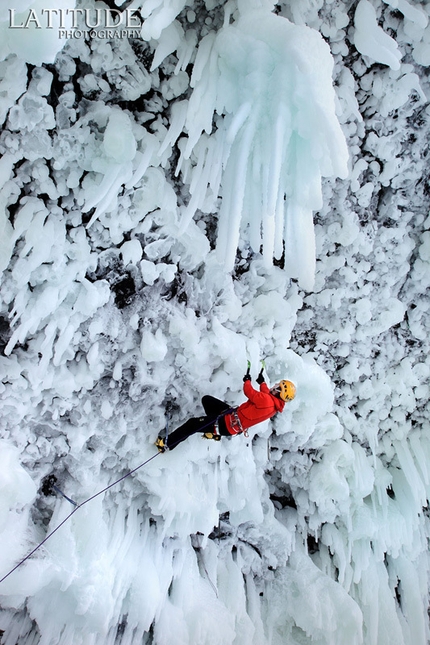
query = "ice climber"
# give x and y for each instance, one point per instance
(222, 420)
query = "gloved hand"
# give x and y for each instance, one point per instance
(260, 377)
(247, 376)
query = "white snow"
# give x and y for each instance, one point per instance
(118, 140)
(371, 40)
(414, 13)
(26, 33)
(233, 185)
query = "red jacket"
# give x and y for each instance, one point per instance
(260, 406)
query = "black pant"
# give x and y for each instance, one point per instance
(213, 408)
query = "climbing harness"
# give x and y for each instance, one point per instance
(76, 507)
(236, 424)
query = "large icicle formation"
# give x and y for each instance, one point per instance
(114, 301)
(271, 81)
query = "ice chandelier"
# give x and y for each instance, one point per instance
(261, 133)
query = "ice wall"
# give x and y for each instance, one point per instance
(265, 85)
(30, 29)
(115, 300)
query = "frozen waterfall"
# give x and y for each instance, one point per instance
(226, 182)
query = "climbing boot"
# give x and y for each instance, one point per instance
(161, 445)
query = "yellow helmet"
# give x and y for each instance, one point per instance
(287, 390)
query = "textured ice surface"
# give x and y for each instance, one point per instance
(272, 81)
(121, 162)
(371, 40)
(25, 32)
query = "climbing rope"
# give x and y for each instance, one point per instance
(76, 507)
